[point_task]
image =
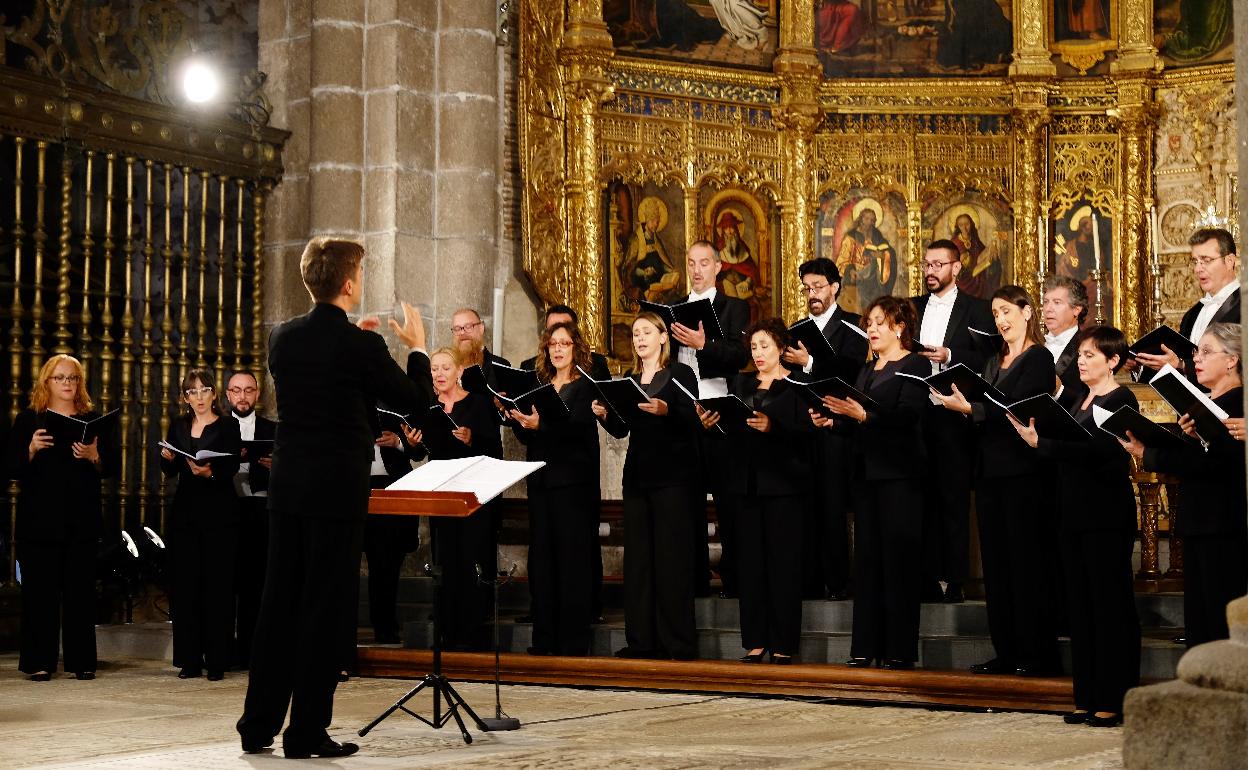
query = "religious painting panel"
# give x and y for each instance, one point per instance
(1083, 31)
(874, 38)
(1076, 236)
(744, 228)
(738, 33)
(645, 232)
(1193, 31)
(983, 229)
(864, 232)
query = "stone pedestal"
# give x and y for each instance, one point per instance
(1199, 720)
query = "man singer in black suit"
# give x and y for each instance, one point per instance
(714, 362)
(1063, 310)
(944, 317)
(328, 374)
(827, 566)
(1216, 267)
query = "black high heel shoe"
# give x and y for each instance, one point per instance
(753, 657)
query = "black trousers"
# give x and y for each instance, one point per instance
(826, 557)
(563, 533)
(886, 569)
(710, 471)
(311, 587)
(460, 546)
(253, 543)
(1215, 571)
(58, 605)
(1016, 571)
(947, 513)
(658, 584)
(1104, 627)
(202, 595)
(771, 571)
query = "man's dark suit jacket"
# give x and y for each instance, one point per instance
(850, 347)
(1067, 366)
(726, 356)
(598, 367)
(967, 312)
(329, 374)
(1227, 313)
(257, 474)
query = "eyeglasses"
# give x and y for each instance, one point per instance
(808, 289)
(1203, 353)
(192, 392)
(559, 344)
(61, 379)
(467, 327)
(1205, 261)
(931, 267)
(240, 391)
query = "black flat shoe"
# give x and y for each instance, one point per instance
(328, 748)
(781, 660)
(898, 665)
(216, 676)
(84, 676)
(994, 666)
(190, 673)
(1110, 721)
(1075, 717)
(41, 676)
(753, 657)
(859, 662)
(256, 745)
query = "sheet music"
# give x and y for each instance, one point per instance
(1100, 414)
(485, 477)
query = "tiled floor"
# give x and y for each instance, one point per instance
(137, 714)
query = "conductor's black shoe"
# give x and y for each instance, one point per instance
(1076, 717)
(256, 745)
(328, 748)
(84, 676)
(898, 665)
(41, 676)
(190, 673)
(994, 666)
(1113, 720)
(216, 676)
(859, 662)
(953, 594)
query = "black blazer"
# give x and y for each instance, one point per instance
(329, 375)
(1227, 313)
(773, 463)
(1002, 452)
(1068, 368)
(1094, 491)
(968, 311)
(889, 445)
(849, 347)
(60, 495)
(569, 446)
(598, 367)
(199, 502)
(258, 475)
(726, 356)
(1211, 490)
(476, 413)
(662, 449)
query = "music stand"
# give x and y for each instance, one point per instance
(456, 504)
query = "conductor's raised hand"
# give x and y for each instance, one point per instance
(412, 332)
(690, 338)
(954, 402)
(369, 323)
(796, 355)
(528, 421)
(847, 407)
(819, 419)
(463, 434)
(1158, 360)
(41, 440)
(759, 422)
(707, 418)
(655, 406)
(1025, 432)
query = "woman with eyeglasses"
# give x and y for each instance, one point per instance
(58, 520)
(1211, 500)
(202, 524)
(767, 479)
(1011, 520)
(888, 459)
(563, 497)
(1095, 505)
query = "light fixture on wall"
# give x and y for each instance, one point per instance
(201, 81)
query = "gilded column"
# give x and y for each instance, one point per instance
(1137, 121)
(258, 358)
(1135, 38)
(62, 334)
(166, 326)
(201, 324)
(40, 237)
(222, 261)
(1032, 57)
(1030, 152)
(798, 115)
(88, 246)
(184, 320)
(106, 311)
(15, 309)
(146, 360)
(239, 332)
(127, 349)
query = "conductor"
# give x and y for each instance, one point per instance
(328, 375)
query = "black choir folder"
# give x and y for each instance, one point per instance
(733, 412)
(689, 313)
(1052, 419)
(200, 457)
(510, 380)
(1150, 344)
(1124, 419)
(813, 392)
(70, 430)
(974, 387)
(257, 449)
(1185, 398)
(988, 342)
(622, 396)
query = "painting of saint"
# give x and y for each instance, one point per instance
(645, 247)
(648, 273)
(739, 226)
(1081, 20)
(737, 32)
(864, 234)
(982, 228)
(1075, 252)
(1193, 31)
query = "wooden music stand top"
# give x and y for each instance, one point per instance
(409, 503)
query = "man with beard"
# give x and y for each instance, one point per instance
(468, 331)
(827, 553)
(944, 317)
(251, 483)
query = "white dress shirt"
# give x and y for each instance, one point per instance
(711, 387)
(1056, 343)
(822, 322)
(1210, 306)
(242, 479)
(936, 323)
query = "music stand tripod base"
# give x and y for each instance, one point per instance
(501, 724)
(441, 688)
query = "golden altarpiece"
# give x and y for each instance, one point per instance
(860, 132)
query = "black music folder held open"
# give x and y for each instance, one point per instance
(690, 314)
(807, 332)
(70, 430)
(813, 392)
(974, 387)
(733, 412)
(1149, 433)
(989, 342)
(393, 421)
(257, 449)
(1185, 398)
(1150, 344)
(1052, 419)
(544, 398)
(509, 380)
(621, 396)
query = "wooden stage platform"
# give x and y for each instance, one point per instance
(837, 682)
